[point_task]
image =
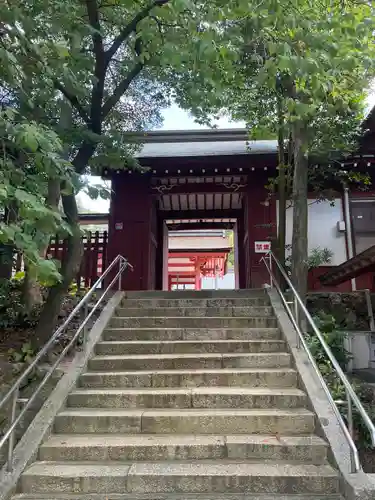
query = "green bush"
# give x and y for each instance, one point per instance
(13, 313)
(335, 340)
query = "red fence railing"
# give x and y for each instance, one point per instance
(94, 256)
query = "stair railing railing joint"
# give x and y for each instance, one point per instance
(12, 396)
(351, 396)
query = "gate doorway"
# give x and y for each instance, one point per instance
(201, 254)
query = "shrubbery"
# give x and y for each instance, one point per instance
(335, 340)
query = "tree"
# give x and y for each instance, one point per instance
(290, 68)
(30, 155)
(116, 64)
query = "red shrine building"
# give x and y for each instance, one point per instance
(194, 256)
(215, 180)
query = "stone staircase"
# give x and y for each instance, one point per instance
(188, 396)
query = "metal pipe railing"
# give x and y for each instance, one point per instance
(13, 393)
(351, 396)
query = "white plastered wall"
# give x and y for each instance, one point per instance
(322, 228)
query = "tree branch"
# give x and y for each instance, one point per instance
(159, 25)
(93, 13)
(100, 67)
(73, 101)
(120, 90)
(83, 156)
(130, 28)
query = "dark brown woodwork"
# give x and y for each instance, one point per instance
(197, 188)
(199, 214)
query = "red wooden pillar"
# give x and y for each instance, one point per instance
(198, 280)
(130, 223)
(242, 248)
(260, 225)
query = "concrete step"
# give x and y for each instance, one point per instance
(189, 477)
(197, 397)
(226, 311)
(188, 361)
(130, 447)
(188, 346)
(240, 377)
(171, 496)
(198, 295)
(194, 322)
(143, 334)
(203, 302)
(187, 421)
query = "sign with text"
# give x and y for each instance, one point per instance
(119, 226)
(262, 246)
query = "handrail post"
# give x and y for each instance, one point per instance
(349, 406)
(85, 314)
(270, 259)
(120, 275)
(371, 321)
(12, 436)
(370, 312)
(296, 314)
(350, 413)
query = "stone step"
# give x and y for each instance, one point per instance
(226, 311)
(189, 477)
(130, 447)
(171, 496)
(198, 295)
(240, 377)
(197, 397)
(188, 361)
(188, 421)
(143, 334)
(188, 346)
(194, 322)
(213, 302)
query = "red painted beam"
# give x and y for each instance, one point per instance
(182, 273)
(199, 254)
(199, 214)
(176, 264)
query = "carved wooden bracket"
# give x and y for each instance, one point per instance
(234, 186)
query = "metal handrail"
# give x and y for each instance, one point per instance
(13, 393)
(351, 396)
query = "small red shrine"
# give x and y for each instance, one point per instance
(193, 255)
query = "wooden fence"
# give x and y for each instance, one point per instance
(94, 256)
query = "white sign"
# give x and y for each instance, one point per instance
(119, 226)
(262, 246)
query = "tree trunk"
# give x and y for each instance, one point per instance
(6, 262)
(69, 269)
(6, 251)
(32, 293)
(300, 221)
(32, 290)
(281, 187)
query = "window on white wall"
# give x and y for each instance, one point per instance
(363, 217)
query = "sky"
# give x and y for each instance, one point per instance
(178, 119)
